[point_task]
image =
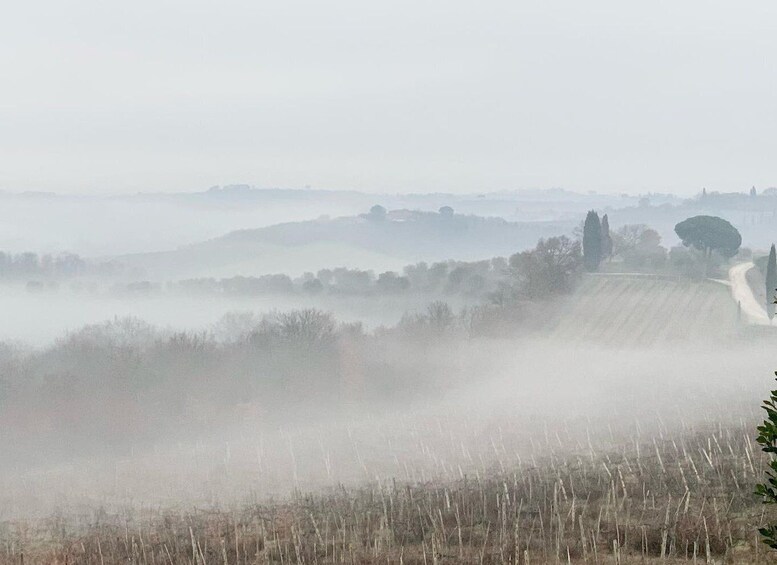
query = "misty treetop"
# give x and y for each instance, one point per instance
(708, 234)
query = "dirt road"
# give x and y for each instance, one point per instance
(752, 309)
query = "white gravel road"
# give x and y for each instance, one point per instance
(752, 309)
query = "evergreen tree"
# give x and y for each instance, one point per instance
(592, 242)
(708, 234)
(753, 192)
(606, 238)
(771, 281)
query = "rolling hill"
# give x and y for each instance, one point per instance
(402, 237)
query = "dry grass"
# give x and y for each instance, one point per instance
(681, 498)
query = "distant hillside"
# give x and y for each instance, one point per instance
(644, 311)
(364, 242)
(148, 222)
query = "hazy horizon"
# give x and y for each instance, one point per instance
(227, 186)
(392, 98)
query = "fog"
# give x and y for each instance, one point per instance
(494, 406)
(403, 283)
(40, 318)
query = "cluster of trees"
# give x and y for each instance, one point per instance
(25, 266)
(110, 385)
(637, 246)
(35, 269)
(707, 241)
(474, 279)
(552, 267)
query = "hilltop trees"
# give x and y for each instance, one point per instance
(592, 242)
(708, 234)
(771, 281)
(446, 212)
(377, 213)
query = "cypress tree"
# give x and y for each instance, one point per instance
(606, 239)
(771, 282)
(592, 242)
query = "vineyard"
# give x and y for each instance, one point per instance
(682, 496)
(631, 310)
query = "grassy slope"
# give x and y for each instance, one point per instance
(627, 310)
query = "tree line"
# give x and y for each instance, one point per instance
(550, 267)
(707, 242)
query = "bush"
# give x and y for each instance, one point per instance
(767, 439)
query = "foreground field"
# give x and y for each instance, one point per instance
(677, 498)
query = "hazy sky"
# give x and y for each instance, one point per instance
(388, 96)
